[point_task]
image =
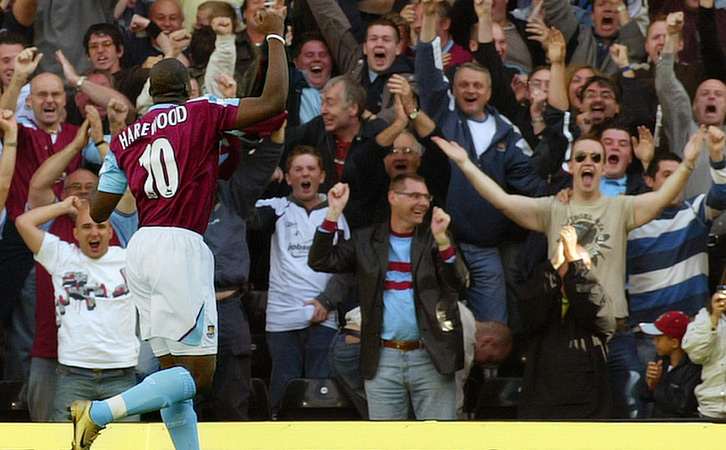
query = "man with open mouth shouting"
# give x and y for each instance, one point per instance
(301, 314)
(683, 118)
(372, 65)
(611, 25)
(602, 222)
(171, 168)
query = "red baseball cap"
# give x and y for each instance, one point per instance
(672, 324)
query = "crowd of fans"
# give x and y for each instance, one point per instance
(549, 177)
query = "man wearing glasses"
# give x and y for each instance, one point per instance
(409, 279)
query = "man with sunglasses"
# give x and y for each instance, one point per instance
(409, 279)
(603, 222)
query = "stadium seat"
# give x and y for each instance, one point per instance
(259, 404)
(13, 408)
(498, 399)
(315, 399)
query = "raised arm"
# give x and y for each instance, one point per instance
(649, 205)
(558, 13)
(521, 209)
(503, 97)
(99, 95)
(274, 94)
(9, 152)
(422, 123)
(324, 256)
(25, 64)
(716, 200)
(556, 52)
(702, 338)
(28, 224)
(428, 26)
(386, 137)
(336, 30)
(375, 6)
(40, 191)
(433, 90)
(250, 179)
(222, 58)
(117, 114)
(672, 96)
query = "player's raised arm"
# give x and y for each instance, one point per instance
(274, 94)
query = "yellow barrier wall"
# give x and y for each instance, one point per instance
(386, 435)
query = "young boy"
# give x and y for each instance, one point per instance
(671, 389)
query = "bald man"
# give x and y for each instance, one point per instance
(36, 141)
(48, 134)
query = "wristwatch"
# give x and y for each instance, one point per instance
(414, 114)
(80, 81)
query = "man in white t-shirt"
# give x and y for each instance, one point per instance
(301, 317)
(97, 343)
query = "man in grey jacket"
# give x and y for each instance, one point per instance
(681, 120)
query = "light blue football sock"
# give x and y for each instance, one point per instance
(181, 421)
(158, 390)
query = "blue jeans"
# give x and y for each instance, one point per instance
(487, 295)
(345, 363)
(77, 383)
(403, 376)
(41, 388)
(298, 354)
(21, 332)
(626, 371)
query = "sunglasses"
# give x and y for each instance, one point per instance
(596, 157)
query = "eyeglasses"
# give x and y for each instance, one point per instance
(79, 186)
(416, 195)
(595, 157)
(104, 44)
(540, 83)
(605, 95)
(402, 150)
